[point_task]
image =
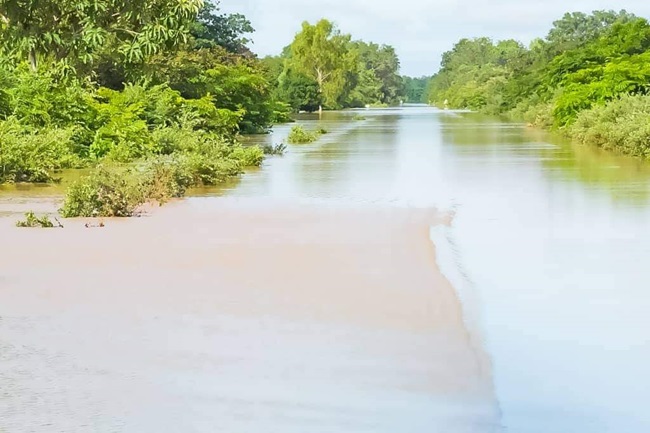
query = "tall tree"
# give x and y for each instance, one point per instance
(577, 28)
(378, 73)
(322, 53)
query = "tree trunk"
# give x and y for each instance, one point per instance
(33, 63)
(320, 79)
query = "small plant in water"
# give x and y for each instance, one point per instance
(31, 220)
(300, 135)
(358, 117)
(277, 149)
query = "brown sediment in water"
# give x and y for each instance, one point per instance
(222, 315)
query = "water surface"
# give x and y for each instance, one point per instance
(549, 242)
(547, 252)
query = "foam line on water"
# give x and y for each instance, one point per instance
(450, 262)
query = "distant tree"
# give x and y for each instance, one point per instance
(577, 28)
(415, 89)
(322, 53)
(378, 73)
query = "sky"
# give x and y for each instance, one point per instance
(420, 30)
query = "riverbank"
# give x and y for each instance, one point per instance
(234, 314)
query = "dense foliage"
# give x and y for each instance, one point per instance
(415, 89)
(588, 76)
(299, 135)
(152, 94)
(324, 68)
(164, 85)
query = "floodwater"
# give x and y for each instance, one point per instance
(548, 250)
(305, 296)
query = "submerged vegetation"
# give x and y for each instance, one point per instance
(275, 149)
(153, 102)
(589, 77)
(299, 135)
(168, 100)
(31, 221)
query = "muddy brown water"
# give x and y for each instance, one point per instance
(307, 296)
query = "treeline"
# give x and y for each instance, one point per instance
(324, 68)
(164, 86)
(415, 90)
(589, 77)
(83, 82)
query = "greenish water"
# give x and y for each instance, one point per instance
(547, 249)
(15, 199)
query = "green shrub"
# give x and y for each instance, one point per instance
(281, 112)
(122, 133)
(277, 149)
(622, 125)
(248, 156)
(299, 135)
(540, 115)
(44, 100)
(202, 160)
(105, 193)
(28, 155)
(31, 220)
(165, 177)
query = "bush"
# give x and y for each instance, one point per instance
(540, 115)
(29, 155)
(277, 149)
(299, 135)
(249, 156)
(45, 100)
(118, 192)
(165, 177)
(622, 125)
(106, 193)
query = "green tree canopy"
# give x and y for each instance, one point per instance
(74, 31)
(322, 53)
(229, 31)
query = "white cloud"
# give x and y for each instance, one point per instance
(420, 30)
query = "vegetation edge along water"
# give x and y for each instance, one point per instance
(588, 78)
(153, 94)
(154, 102)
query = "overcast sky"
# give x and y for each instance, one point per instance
(420, 30)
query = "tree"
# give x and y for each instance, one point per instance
(415, 89)
(75, 30)
(228, 31)
(322, 53)
(299, 91)
(378, 73)
(577, 28)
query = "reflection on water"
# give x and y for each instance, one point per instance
(552, 236)
(18, 198)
